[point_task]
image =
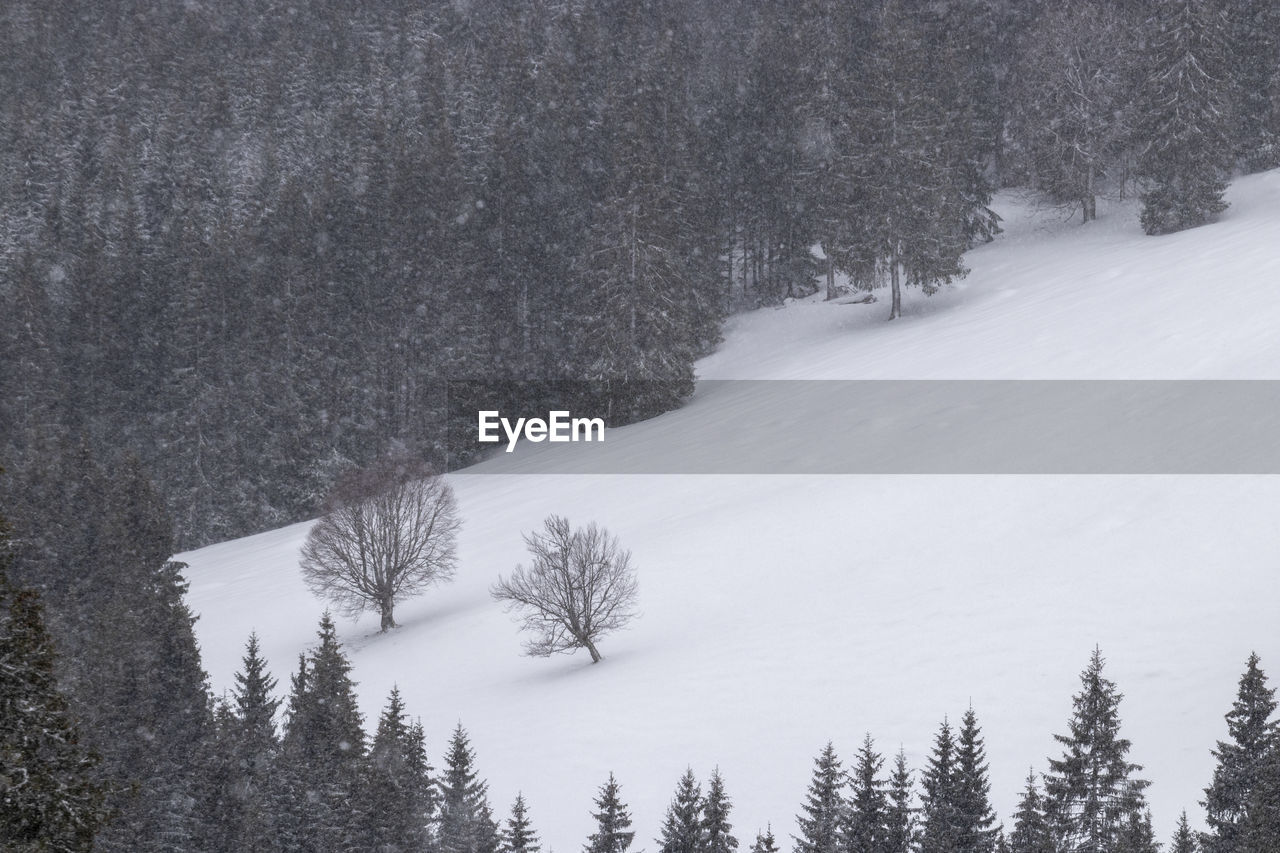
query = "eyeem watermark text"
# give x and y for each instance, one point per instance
(559, 426)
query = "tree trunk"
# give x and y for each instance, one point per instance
(590, 647)
(895, 277)
(388, 622)
(831, 278)
(1089, 202)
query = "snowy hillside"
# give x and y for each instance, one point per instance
(783, 611)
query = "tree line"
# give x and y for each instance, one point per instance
(110, 738)
(253, 245)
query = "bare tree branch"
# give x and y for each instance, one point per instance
(579, 587)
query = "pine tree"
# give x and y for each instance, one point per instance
(255, 707)
(1186, 151)
(488, 835)
(765, 842)
(247, 755)
(48, 797)
(1093, 801)
(1137, 835)
(717, 832)
(682, 826)
(464, 809)
(976, 827)
(613, 822)
(1030, 830)
(820, 825)
(1255, 83)
(1184, 840)
(397, 786)
(914, 218)
(900, 820)
(940, 807)
(1260, 831)
(142, 675)
(519, 836)
(866, 817)
(1071, 112)
(1252, 734)
(323, 747)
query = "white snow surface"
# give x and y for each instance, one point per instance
(783, 611)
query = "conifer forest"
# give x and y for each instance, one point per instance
(247, 246)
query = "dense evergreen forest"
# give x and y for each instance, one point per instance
(250, 243)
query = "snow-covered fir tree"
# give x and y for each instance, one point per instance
(1184, 115)
(939, 812)
(1261, 829)
(820, 824)
(976, 828)
(1255, 82)
(1071, 112)
(682, 830)
(1252, 736)
(247, 756)
(1030, 829)
(1184, 840)
(717, 831)
(913, 219)
(49, 799)
(613, 821)
(1093, 800)
(398, 786)
(900, 819)
(765, 842)
(323, 747)
(465, 820)
(518, 835)
(867, 814)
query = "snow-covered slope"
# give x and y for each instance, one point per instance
(783, 611)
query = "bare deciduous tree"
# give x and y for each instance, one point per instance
(579, 587)
(387, 533)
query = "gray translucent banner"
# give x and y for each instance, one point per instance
(934, 427)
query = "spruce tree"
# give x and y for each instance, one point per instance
(613, 821)
(323, 747)
(488, 834)
(820, 825)
(976, 820)
(1255, 83)
(1184, 133)
(1030, 829)
(397, 788)
(866, 817)
(765, 842)
(1071, 113)
(1260, 832)
(682, 830)
(914, 219)
(247, 755)
(1137, 835)
(1252, 734)
(255, 708)
(519, 837)
(717, 832)
(141, 673)
(1093, 801)
(49, 799)
(465, 822)
(939, 807)
(900, 820)
(1184, 840)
